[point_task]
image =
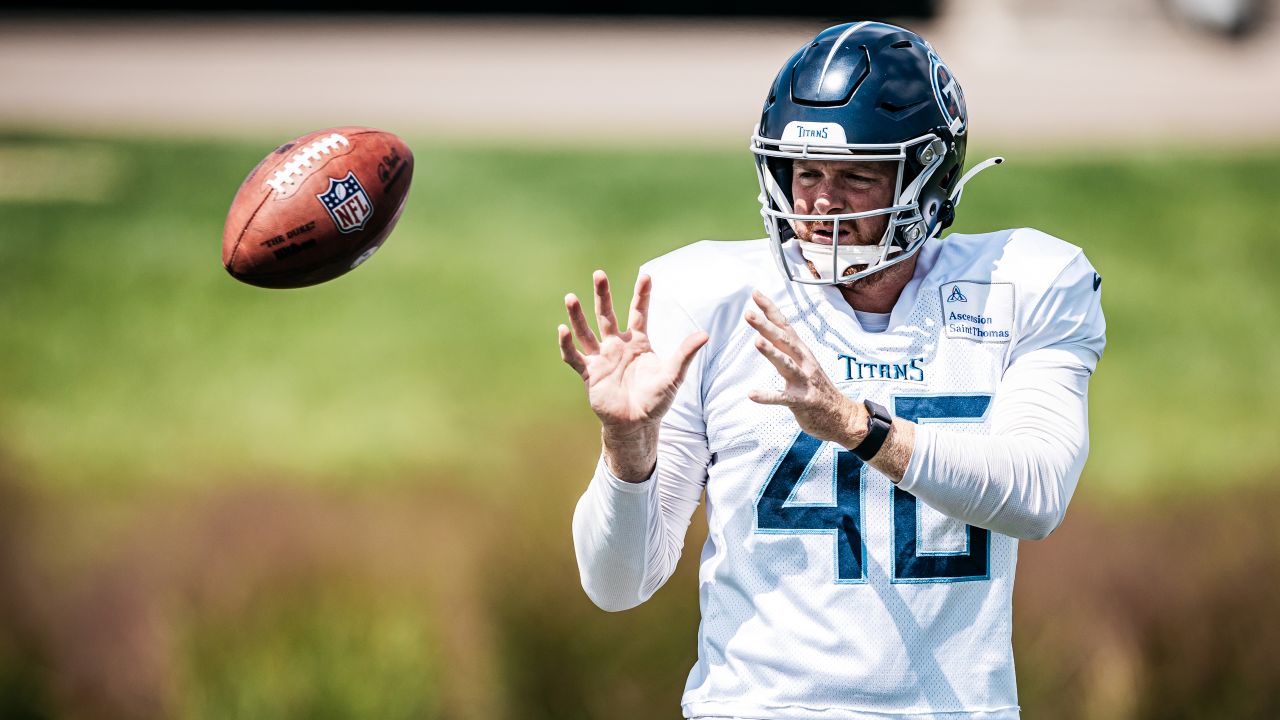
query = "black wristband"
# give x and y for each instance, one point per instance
(879, 421)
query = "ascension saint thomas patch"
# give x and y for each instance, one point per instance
(977, 311)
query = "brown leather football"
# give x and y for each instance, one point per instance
(316, 207)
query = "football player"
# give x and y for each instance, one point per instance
(875, 413)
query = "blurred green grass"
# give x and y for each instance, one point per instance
(132, 361)
(315, 656)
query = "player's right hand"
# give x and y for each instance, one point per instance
(628, 385)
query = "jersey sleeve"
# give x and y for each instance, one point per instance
(628, 536)
(1066, 319)
(1019, 480)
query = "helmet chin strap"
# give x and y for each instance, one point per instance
(846, 256)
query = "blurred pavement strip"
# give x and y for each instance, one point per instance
(1032, 73)
(473, 81)
(40, 173)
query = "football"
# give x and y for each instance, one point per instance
(316, 207)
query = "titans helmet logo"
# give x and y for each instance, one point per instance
(946, 90)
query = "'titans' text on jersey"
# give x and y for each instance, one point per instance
(826, 591)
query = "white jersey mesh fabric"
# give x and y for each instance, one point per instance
(825, 591)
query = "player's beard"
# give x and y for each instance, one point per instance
(851, 270)
(866, 282)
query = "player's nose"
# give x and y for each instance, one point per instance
(826, 204)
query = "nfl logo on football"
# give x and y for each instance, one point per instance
(347, 202)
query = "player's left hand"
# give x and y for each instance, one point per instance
(820, 408)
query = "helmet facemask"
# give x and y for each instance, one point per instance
(917, 160)
(870, 92)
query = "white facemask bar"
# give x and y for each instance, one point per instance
(931, 154)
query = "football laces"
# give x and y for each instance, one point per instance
(302, 160)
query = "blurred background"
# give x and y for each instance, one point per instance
(353, 501)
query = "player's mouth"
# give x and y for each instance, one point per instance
(822, 233)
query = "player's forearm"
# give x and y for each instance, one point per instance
(894, 455)
(1017, 486)
(611, 525)
(1019, 480)
(631, 453)
(628, 536)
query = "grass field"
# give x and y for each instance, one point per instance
(353, 500)
(131, 359)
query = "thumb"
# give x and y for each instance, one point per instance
(679, 363)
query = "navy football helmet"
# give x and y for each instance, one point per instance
(863, 92)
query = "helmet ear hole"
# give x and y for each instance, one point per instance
(951, 175)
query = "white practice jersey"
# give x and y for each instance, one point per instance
(825, 591)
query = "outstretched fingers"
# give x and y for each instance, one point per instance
(638, 320)
(780, 338)
(771, 311)
(569, 352)
(767, 397)
(679, 361)
(605, 319)
(786, 367)
(578, 320)
(775, 328)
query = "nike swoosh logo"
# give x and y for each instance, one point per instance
(1097, 281)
